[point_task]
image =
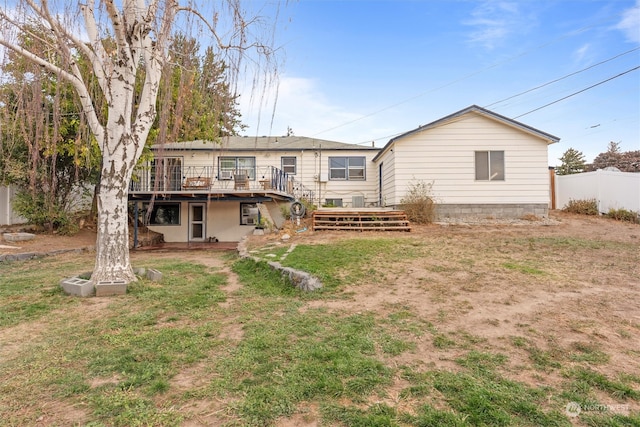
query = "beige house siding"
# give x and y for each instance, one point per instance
(346, 189)
(388, 181)
(223, 218)
(223, 223)
(445, 156)
(312, 170)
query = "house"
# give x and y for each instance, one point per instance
(203, 190)
(477, 162)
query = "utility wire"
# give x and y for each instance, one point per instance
(580, 91)
(562, 78)
(465, 77)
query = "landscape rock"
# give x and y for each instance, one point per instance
(18, 237)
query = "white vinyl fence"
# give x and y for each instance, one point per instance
(7, 216)
(611, 189)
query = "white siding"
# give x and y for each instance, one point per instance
(312, 170)
(445, 156)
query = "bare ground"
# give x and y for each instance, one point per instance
(583, 298)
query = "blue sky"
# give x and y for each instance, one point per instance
(363, 71)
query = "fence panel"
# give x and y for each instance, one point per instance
(611, 189)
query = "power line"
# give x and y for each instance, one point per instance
(580, 91)
(472, 74)
(562, 78)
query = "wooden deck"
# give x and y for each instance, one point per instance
(365, 219)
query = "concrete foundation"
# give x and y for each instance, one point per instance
(497, 211)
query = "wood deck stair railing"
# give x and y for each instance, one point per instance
(360, 220)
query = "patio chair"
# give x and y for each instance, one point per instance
(241, 180)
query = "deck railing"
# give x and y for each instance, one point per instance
(178, 178)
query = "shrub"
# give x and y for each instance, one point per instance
(34, 209)
(624, 215)
(418, 203)
(582, 207)
(309, 207)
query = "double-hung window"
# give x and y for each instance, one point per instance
(228, 166)
(347, 168)
(489, 165)
(288, 165)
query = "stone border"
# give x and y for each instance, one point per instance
(300, 279)
(24, 256)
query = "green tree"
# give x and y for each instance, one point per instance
(195, 101)
(572, 162)
(46, 150)
(126, 44)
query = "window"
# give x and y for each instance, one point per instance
(346, 168)
(333, 203)
(227, 166)
(489, 165)
(249, 214)
(164, 214)
(288, 165)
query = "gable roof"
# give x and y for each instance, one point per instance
(264, 143)
(550, 139)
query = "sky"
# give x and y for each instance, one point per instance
(364, 71)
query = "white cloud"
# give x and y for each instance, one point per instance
(630, 23)
(301, 105)
(582, 53)
(494, 22)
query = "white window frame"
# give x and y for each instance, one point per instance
(349, 170)
(287, 168)
(229, 165)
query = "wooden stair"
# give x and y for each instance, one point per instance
(360, 220)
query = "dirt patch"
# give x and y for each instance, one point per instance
(520, 289)
(584, 296)
(44, 242)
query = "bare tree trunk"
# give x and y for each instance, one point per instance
(112, 244)
(113, 263)
(128, 40)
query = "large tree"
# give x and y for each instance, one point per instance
(45, 146)
(127, 44)
(626, 161)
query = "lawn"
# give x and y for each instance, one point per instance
(448, 326)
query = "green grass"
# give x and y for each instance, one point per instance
(268, 350)
(525, 269)
(348, 261)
